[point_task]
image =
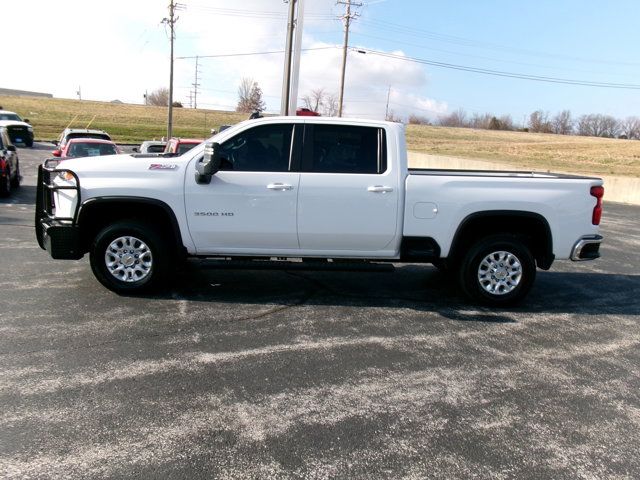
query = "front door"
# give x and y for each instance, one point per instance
(250, 206)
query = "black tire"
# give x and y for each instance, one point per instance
(15, 181)
(5, 183)
(28, 143)
(133, 268)
(515, 270)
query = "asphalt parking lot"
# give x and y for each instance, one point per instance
(296, 374)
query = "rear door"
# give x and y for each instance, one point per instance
(348, 198)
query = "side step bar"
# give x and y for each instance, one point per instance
(309, 265)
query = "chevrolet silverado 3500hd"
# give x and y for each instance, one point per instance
(313, 188)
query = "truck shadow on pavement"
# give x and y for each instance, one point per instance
(414, 287)
(25, 195)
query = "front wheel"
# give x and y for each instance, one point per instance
(130, 257)
(498, 270)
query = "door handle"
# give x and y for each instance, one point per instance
(279, 186)
(379, 189)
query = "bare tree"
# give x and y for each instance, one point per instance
(392, 117)
(418, 120)
(539, 122)
(314, 100)
(506, 122)
(562, 123)
(322, 102)
(159, 97)
(480, 120)
(598, 125)
(630, 128)
(457, 118)
(249, 96)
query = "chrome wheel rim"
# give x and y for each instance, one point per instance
(500, 273)
(128, 259)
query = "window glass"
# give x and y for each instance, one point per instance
(344, 149)
(10, 116)
(260, 149)
(185, 147)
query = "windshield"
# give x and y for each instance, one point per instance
(10, 116)
(89, 149)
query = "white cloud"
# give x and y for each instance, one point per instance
(120, 49)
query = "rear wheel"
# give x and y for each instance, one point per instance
(498, 270)
(130, 257)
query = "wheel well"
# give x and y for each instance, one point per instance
(96, 214)
(532, 228)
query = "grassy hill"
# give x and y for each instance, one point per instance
(134, 123)
(125, 123)
(537, 151)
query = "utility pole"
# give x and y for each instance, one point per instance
(171, 21)
(386, 113)
(195, 86)
(79, 92)
(286, 85)
(347, 21)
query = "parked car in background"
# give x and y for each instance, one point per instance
(87, 147)
(70, 133)
(18, 129)
(178, 146)
(9, 164)
(306, 112)
(151, 146)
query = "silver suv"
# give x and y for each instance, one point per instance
(69, 133)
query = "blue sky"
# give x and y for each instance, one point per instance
(583, 40)
(123, 52)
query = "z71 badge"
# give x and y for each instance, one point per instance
(163, 166)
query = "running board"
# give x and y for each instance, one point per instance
(309, 265)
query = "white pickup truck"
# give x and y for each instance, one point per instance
(323, 190)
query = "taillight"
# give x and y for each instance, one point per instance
(597, 192)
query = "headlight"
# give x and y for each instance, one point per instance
(30, 129)
(66, 176)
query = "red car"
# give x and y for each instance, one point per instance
(87, 147)
(305, 112)
(178, 146)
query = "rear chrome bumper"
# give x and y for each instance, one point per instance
(587, 248)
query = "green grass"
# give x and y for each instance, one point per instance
(125, 123)
(536, 151)
(135, 123)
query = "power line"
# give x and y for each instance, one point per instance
(466, 42)
(243, 54)
(499, 73)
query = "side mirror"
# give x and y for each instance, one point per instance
(26, 120)
(55, 142)
(56, 153)
(11, 148)
(209, 165)
(134, 149)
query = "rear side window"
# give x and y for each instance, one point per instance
(260, 149)
(344, 149)
(185, 147)
(155, 148)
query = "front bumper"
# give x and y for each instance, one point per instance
(587, 248)
(58, 236)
